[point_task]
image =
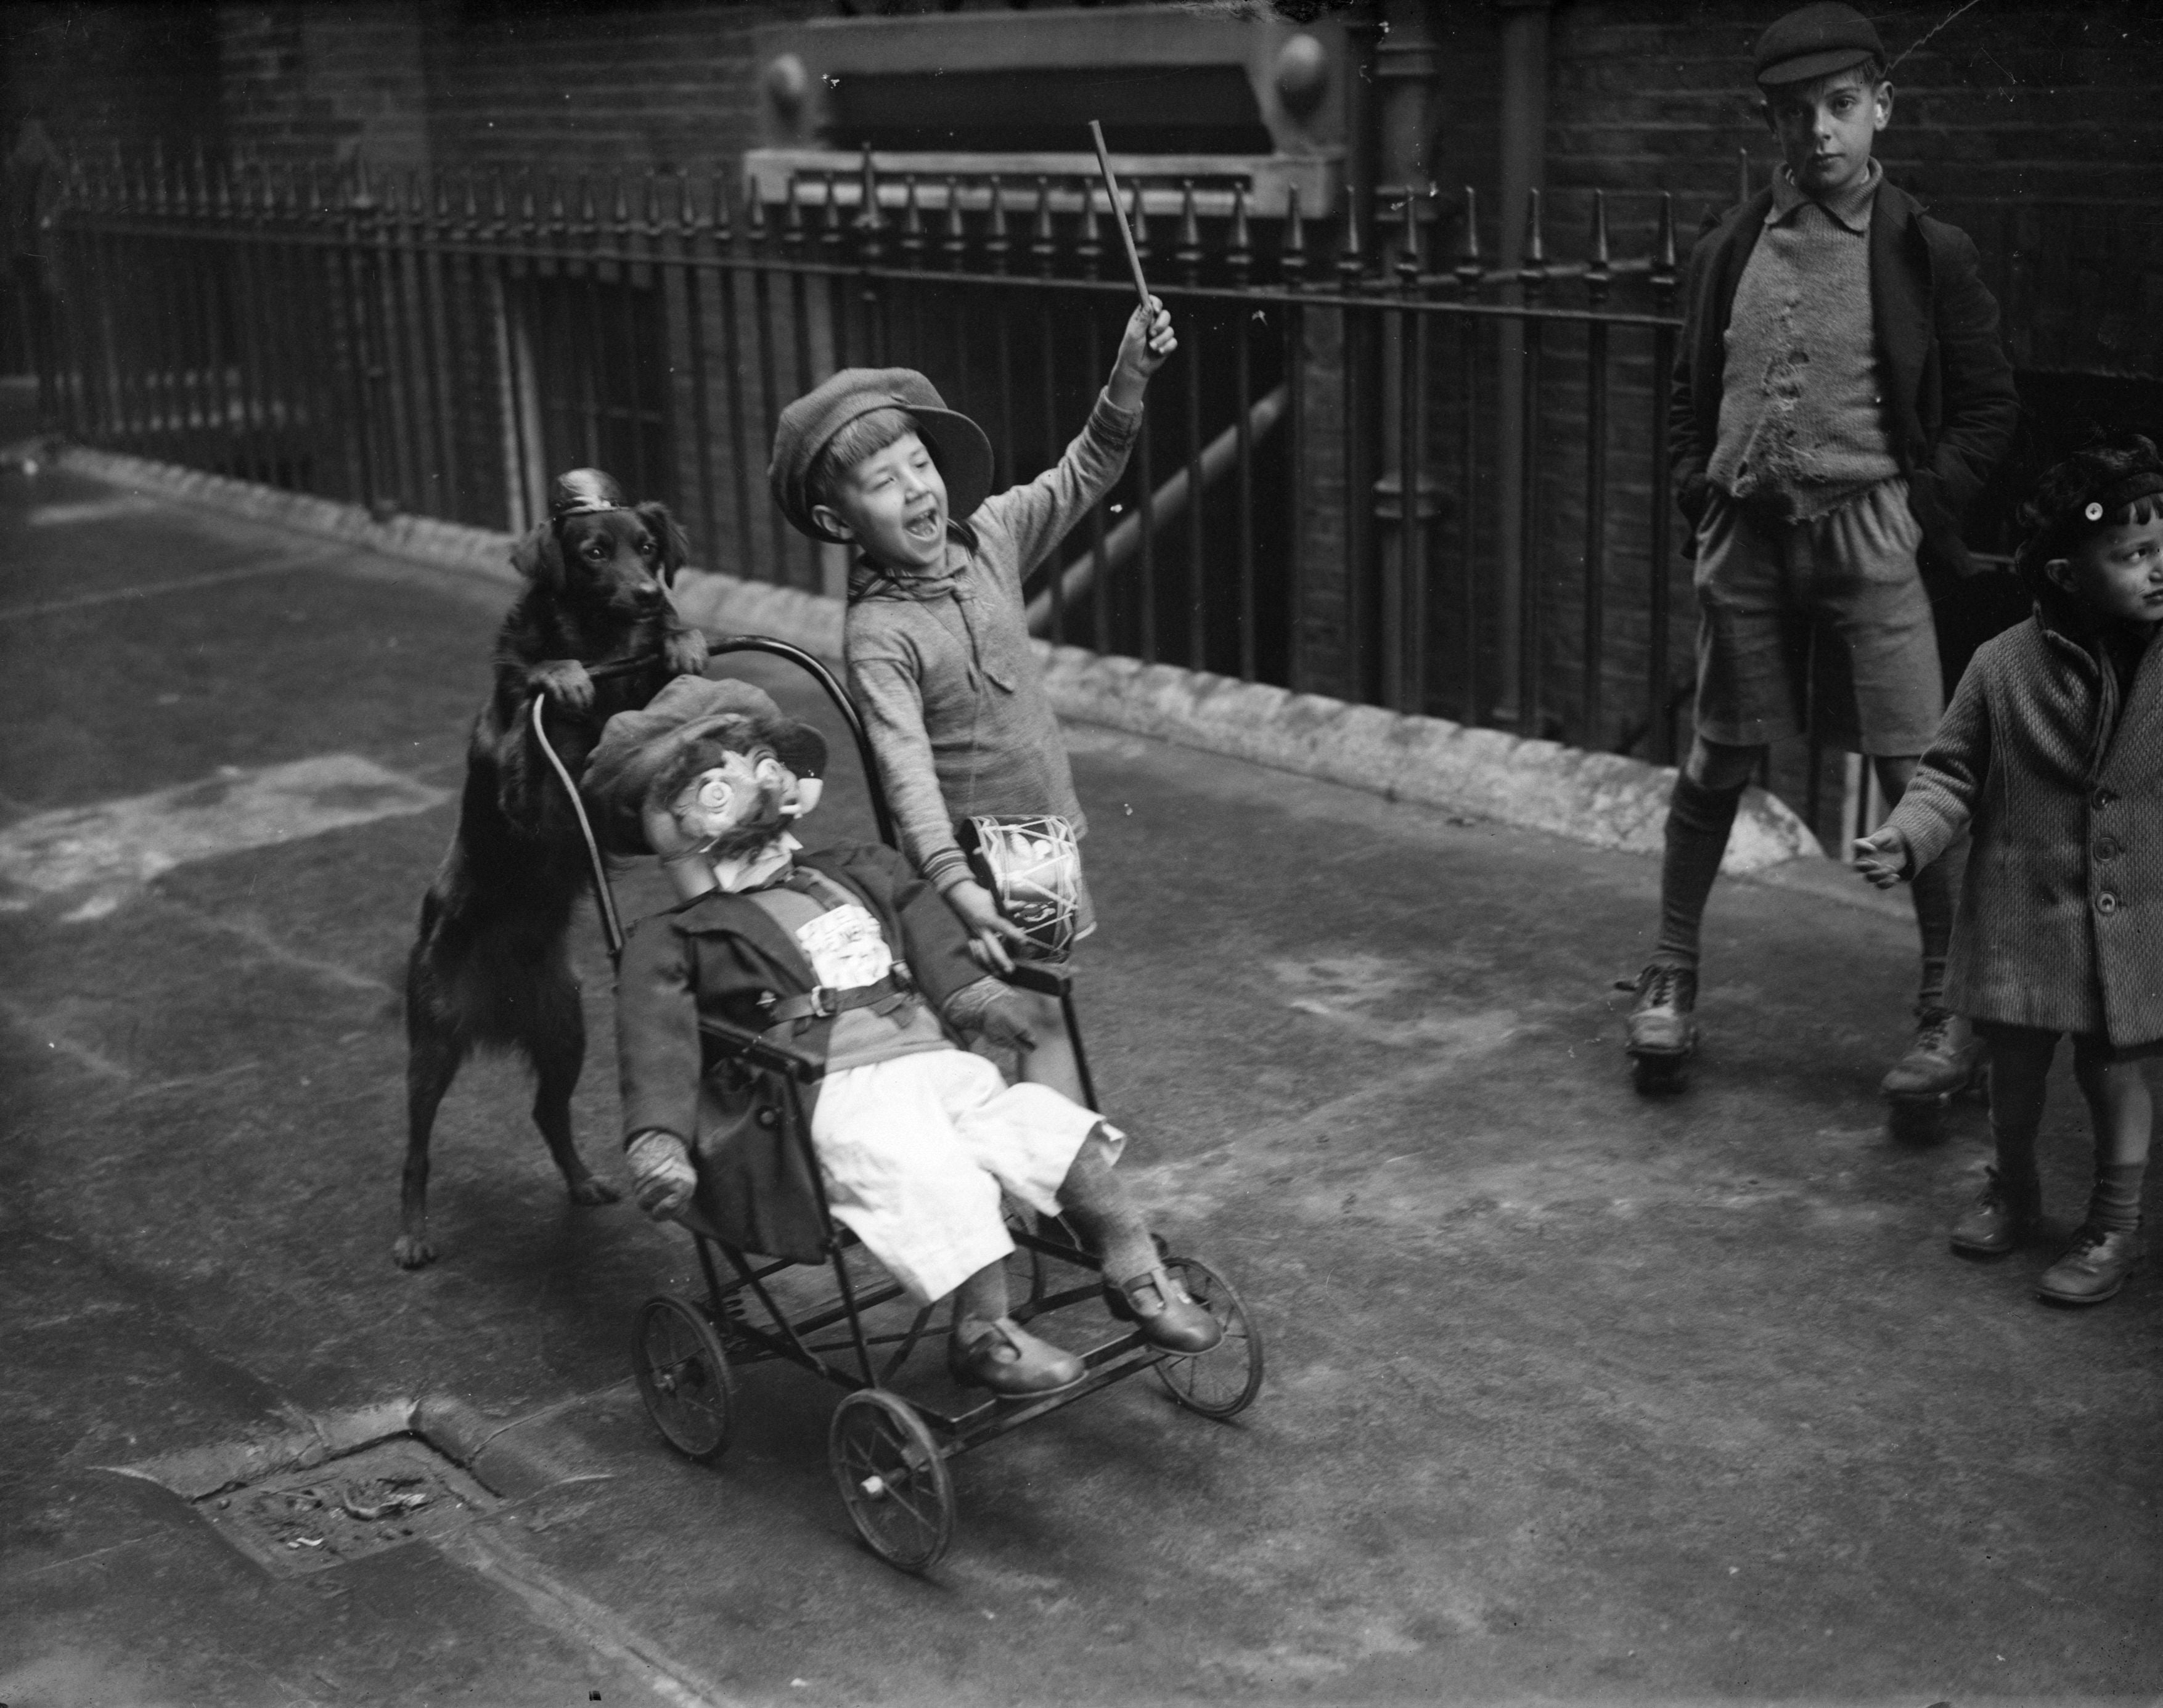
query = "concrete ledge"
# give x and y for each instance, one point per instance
(1602, 798)
(424, 540)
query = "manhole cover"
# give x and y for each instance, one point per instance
(390, 1492)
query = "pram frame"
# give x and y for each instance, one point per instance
(946, 1433)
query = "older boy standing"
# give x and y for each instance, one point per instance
(1840, 396)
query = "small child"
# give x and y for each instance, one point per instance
(843, 954)
(937, 635)
(2053, 750)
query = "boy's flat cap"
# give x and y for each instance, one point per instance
(1815, 41)
(637, 747)
(808, 426)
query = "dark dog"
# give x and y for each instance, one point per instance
(491, 966)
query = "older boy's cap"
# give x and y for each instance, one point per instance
(1815, 41)
(637, 748)
(808, 426)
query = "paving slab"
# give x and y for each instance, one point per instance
(1574, 1397)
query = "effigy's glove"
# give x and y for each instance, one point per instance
(662, 1178)
(990, 1009)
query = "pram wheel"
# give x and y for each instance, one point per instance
(683, 1377)
(892, 1478)
(1223, 1380)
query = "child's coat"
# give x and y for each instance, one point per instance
(2061, 922)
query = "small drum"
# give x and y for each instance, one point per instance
(1033, 868)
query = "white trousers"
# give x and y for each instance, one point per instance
(916, 1151)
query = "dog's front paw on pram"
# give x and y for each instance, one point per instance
(564, 681)
(412, 1251)
(685, 652)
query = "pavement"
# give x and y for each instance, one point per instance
(1573, 1396)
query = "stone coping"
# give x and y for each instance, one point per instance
(1602, 798)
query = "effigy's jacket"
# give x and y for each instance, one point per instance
(2059, 767)
(714, 957)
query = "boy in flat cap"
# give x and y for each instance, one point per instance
(937, 637)
(1840, 396)
(848, 956)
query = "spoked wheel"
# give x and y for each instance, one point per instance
(683, 1377)
(892, 1481)
(1223, 1380)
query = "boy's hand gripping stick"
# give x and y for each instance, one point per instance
(1120, 213)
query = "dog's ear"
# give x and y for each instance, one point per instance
(538, 557)
(675, 544)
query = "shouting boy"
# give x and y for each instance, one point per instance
(937, 636)
(1840, 396)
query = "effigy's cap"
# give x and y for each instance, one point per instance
(808, 426)
(637, 748)
(1814, 41)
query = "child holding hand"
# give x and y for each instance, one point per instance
(937, 637)
(2052, 750)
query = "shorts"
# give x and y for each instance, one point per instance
(916, 1151)
(1818, 624)
(2088, 1047)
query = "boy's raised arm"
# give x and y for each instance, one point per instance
(1037, 515)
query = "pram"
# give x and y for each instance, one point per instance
(889, 1451)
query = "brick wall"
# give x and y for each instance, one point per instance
(125, 74)
(2031, 126)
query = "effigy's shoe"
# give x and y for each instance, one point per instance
(2094, 1268)
(1014, 1364)
(1155, 1303)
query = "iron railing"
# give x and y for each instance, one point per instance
(1381, 468)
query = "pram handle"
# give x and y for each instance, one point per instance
(764, 1051)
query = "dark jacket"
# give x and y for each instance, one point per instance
(1951, 406)
(712, 958)
(2060, 922)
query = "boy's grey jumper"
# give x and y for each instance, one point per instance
(941, 668)
(1801, 420)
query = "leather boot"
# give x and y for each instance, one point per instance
(1946, 1059)
(2094, 1268)
(2001, 1218)
(1662, 1021)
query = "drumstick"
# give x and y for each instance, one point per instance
(1120, 212)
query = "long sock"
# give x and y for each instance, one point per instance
(2016, 1157)
(1937, 890)
(1698, 819)
(2115, 1204)
(1096, 1200)
(982, 1298)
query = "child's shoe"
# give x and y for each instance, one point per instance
(2002, 1217)
(1164, 1310)
(2094, 1268)
(1946, 1060)
(1011, 1362)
